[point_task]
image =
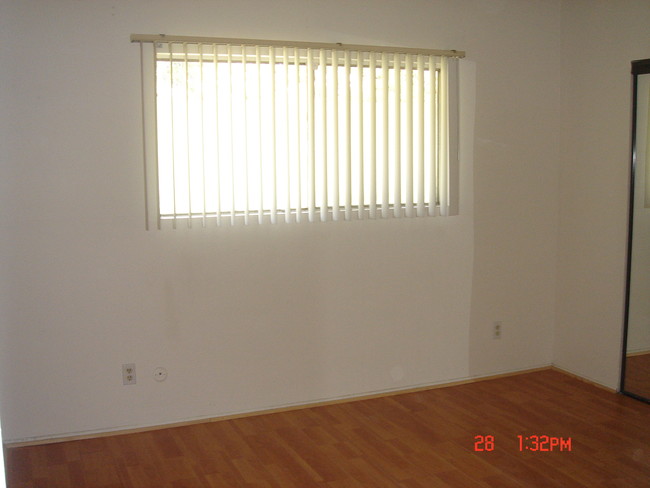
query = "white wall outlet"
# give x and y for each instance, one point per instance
(128, 374)
(497, 330)
(160, 374)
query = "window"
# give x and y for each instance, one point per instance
(254, 131)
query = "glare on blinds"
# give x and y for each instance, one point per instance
(293, 133)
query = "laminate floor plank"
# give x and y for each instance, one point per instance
(422, 439)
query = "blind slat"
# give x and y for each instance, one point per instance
(274, 155)
(312, 134)
(232, 137)
(373, 136)
(187, 136)
(156, 187)
(298, 178)
(202, 182)
(420, 137)
(348, 140)
(173, 137)
(258, 118)
(361, 196)
(434, 137)
(444, 141)
(385, 202)
(397, 156)
(245, 141)
(217, 135)
(287, 136)
(336, 211)
(408, 197)
(323, 121)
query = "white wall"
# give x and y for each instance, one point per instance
(251, 318)
(600, 38)
(516, 154)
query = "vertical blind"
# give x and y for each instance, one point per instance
(243, 132)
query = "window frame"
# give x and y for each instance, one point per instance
(154, 218)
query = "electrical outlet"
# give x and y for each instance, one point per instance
(128, 374)
(497, 330)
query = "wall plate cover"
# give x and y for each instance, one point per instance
(128, 374)
(160, 374)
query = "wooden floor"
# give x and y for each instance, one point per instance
(425, 439)
(637, 374)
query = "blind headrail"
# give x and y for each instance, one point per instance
(153, 38)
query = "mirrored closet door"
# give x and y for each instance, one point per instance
(635, 375)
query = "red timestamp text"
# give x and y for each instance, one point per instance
(544, 443)
(533, 443)
(483, 443)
